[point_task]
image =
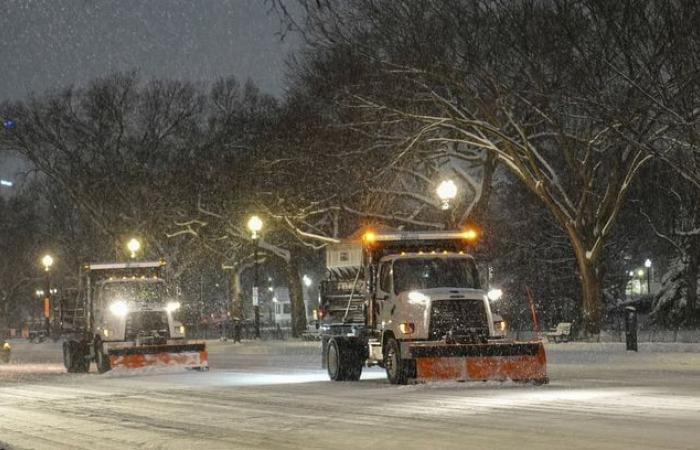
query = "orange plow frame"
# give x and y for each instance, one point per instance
(517, 361)
(192, 355)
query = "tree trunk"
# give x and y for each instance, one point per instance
(237, 310)
(296, 296)
(590, 285)
(691, 276)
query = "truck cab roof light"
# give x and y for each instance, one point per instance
(469, 234)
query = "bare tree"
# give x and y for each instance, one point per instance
(574, 98)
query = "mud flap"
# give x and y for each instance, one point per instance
(517, 361)
(192, 355)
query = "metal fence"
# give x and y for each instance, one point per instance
(661, 336)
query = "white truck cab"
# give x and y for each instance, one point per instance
(135, 309)
(419, 296)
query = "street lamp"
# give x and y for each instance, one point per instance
(255, 225)
(647, 264)
(446, 192)
(134, 246)
(47, 262)
(307, 281)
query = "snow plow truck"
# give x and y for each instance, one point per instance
(123, 317)
(412, 303)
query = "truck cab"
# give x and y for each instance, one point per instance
(432, 297)
(135, 309)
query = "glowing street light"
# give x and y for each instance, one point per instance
(307, 281)
(446, 191)
(47, 262)
(647, 264)
(255, 224)
(134, 246)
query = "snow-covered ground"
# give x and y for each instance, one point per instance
(273, 395)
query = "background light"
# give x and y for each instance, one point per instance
(134, 246)
(47, 262)
(307, 281)
(255, 224)
(647, 263)
(447, 190)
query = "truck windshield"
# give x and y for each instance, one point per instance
(429, 273)
(134, 291)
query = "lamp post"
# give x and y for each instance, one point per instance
(134, 246)
(255, 224)
(446, 191)
(647, 264)
(47, 262)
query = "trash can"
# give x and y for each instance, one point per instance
(631, 328)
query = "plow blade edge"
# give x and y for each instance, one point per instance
(517, 361)
(192, 355)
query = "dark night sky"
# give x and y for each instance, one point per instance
(53, 43)
(48, 44)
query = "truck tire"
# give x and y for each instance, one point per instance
(101, 360)
(344, 360)
(74, 357)
(355, 361)
(335, 361)
(398, 370)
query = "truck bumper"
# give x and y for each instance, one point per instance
(517, 361)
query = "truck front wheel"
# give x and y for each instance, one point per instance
(398, 370)
(101, 360)
(74, 357)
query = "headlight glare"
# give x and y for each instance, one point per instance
(172, 306)
(119, 308)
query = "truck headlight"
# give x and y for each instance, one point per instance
(119, 308)
(172, 306)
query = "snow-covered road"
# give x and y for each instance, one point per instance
(274, 396)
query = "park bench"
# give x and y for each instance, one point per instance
(561, 333)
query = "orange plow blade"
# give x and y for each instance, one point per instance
(517, 361)
(192, 356)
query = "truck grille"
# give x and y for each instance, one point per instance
(461, 321)
(147, 324)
